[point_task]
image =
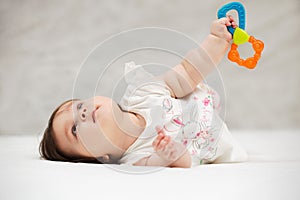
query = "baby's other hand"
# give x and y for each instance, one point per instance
(219, 27)
(166, 148)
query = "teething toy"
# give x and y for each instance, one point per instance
(240, 36)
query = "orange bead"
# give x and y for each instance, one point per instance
(233, 55)
(250, 63)
(258, 46)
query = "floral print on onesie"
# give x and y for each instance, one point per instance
(193, 121)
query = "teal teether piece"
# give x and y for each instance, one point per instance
(241, 14)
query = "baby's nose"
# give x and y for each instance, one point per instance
(83, 113)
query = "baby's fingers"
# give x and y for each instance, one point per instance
(231, 21)
(157, 141)
(234, 25)
(224, 21)
(163, 142)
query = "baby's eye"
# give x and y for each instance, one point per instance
(79, 106)
(74, 129)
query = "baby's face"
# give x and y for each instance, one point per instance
(80, 127)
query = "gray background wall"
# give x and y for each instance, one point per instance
(43, 43)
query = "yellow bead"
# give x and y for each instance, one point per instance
(240, 36)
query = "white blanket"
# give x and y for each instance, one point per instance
(272, 172)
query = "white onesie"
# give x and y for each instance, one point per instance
(191, 120)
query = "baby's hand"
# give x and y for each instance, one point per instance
(166, 148)
(219, 27)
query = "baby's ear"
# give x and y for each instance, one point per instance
(105, 158)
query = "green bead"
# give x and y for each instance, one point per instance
(240, 36)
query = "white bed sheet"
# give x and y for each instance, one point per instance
(272, 172)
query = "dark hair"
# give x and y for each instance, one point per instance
(49, 150)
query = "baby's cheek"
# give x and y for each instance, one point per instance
(91, 138)
(89, 130)
(105, 116)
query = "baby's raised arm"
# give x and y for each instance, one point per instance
(199, 62)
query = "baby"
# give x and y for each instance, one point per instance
(168, 120)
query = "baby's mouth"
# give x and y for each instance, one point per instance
(94, 114)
